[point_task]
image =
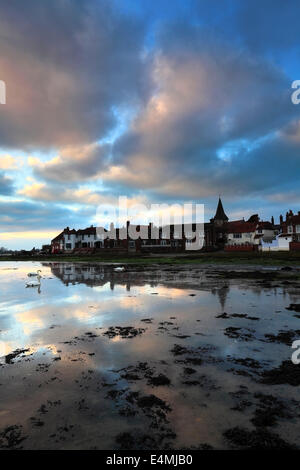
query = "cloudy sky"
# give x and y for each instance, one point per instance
(162, 101)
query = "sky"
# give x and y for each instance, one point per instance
(158, 101)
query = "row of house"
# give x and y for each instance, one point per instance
(151, 239)
(288, 236)
(218, 234)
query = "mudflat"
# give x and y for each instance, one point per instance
(159, 356)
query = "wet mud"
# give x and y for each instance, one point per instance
(174, 357)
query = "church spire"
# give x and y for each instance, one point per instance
(220, 213)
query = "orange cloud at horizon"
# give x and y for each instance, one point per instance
(28, 235)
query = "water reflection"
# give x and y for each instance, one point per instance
(72, 273)
(222, 293)
(92, 337)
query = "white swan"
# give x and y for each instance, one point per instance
(34, 274)
(119, 269)
(34, 283)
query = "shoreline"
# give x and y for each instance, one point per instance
(261, 259)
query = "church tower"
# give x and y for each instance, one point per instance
(220, 217)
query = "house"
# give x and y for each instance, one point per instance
(287, 234)
(146, 238)
(219, 233)
(292, 225)
(265, 232)
(290, 230)
(241, 234)
(249, 235)
(279, 243)
(57, 244)
(70, 239)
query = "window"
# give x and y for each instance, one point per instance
(290, 229)
(68, 246)
(131, 244)
(237, 235)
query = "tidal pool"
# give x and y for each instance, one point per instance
(159, 357)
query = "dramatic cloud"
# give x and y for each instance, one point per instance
(84, 196)
(157, 100)
(214, 107)
(73, 163)
(68, 68)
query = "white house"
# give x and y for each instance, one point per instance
(279, 243)
(69, 239)
(241, 232)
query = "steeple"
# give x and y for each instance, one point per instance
(220, 213)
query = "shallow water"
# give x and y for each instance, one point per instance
(73, 386)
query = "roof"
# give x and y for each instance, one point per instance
(58, 237)
(240, 226)
(220, 213)
(233, 222)
(87, 231)
(253, 218)
(68, 231)
(265, 225)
